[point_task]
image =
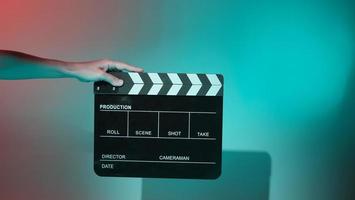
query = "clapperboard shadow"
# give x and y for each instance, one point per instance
(245, 176)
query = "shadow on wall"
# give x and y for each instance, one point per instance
(245, 176)
(343, 131)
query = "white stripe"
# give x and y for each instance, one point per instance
(138, 83)
(194, 79)
(194, 90)
(213, 90)
(177, 84)
(174, 78)
(216, 85)
(155, 89)
(157, 84)
(135, 77)
(213, 79)
(136, 89)
(155, 78)
(196, 85)
(174, 90)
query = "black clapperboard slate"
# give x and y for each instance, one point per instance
(159, 125)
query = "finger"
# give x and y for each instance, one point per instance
(121, 65)
(111, 79)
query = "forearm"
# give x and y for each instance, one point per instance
(16, 65)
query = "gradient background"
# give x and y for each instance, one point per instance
(289, 70)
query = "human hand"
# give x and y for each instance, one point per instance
(96, 70)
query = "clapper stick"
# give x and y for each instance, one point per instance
(170, 84)
(160, 125)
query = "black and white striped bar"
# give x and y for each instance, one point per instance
(170, 84)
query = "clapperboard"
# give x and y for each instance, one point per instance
(159, 125)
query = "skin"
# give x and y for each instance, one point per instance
(17, 65)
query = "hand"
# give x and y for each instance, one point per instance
(97, 70)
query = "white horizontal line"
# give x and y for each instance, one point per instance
(152, 137)
(155, 161)
(162, 111)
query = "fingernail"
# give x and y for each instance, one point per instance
(119, 83)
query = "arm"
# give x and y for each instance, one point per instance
(16, 65)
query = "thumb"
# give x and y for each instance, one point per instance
(111, 79)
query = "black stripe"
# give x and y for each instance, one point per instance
(221, 78)
(166, 84)
(220, 92)
(127, 83)
(206, 85)
(148, 83)
(186, 85)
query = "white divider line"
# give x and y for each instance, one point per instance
(189, 125)
(156, 161)
(152, 137)
(158, 123)
(162, 111)
(127, 124)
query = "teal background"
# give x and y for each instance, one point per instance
(289, 88)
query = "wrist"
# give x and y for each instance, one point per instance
(66, 69)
